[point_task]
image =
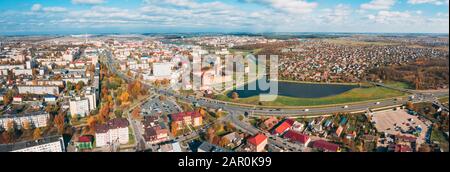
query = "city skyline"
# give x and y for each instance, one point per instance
(171, 16)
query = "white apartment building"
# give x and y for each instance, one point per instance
(48, 144)
(40, 90)
(75, 80)
(92, 99)
(79, 106)
(162, 69)
(36, 119)
(45, 82)
(18, 72)
(113, 132)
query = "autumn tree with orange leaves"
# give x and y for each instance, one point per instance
(59, 122)
(136, 113)
(174, 128)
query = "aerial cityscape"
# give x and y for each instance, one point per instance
(224, 76)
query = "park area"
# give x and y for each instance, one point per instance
(352, 96)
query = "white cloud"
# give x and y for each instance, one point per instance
(36, 7)
(89, 2)
(390, 17)
(54, 9)
(338, 15)
(378, 5)
(290, 6)
(434, 2)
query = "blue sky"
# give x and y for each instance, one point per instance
(134, 16)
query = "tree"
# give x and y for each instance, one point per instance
(210, 133)
(135, 88)
(118, 113)
(165, 82)
(7, 137)
(224, 142)
(60, 122)
(11, 126)
(74, 118)
(52, 109)
(410, 105)
(136, 113)
(218, 127)
(202, 112)
(26, 125)
(104, 113)
(69, 86)
(37, 134)
(241, 117)
(162, 98)
(8, 97)
(105, 92)
(124, 97)
(91, 121)
(174, 128)
(234, 95)
(79, 85)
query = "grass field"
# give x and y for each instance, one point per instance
(444, 100)
(438, 136)
(355, 95)
(402, 85)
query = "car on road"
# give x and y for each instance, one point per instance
(306, 110)
(346, 107)
(377, 103)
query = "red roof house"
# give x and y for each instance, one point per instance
(326, 146)
(282, 128)
(297, 137)
(257, 143)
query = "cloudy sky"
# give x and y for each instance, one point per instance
(137, 16)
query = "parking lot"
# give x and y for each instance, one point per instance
(155, 107)
(399, 122)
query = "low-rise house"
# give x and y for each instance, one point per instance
(184, 119)
(84, 142)
(283, 127)
(339, 131)
(50, 98)
(233, 138)
(17, 99)
(399, 148)
(269, 123)
(301, 139)
(170, 147)
(326, 146)
(257, 143)
(208, 147)
(156, 135)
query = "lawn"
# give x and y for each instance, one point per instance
(131, 136)
(444, 99)
(401, 85)
(439, 136)
(354, 95)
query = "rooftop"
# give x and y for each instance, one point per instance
(257, 140)
(26, 144)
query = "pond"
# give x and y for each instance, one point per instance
(297, 90)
